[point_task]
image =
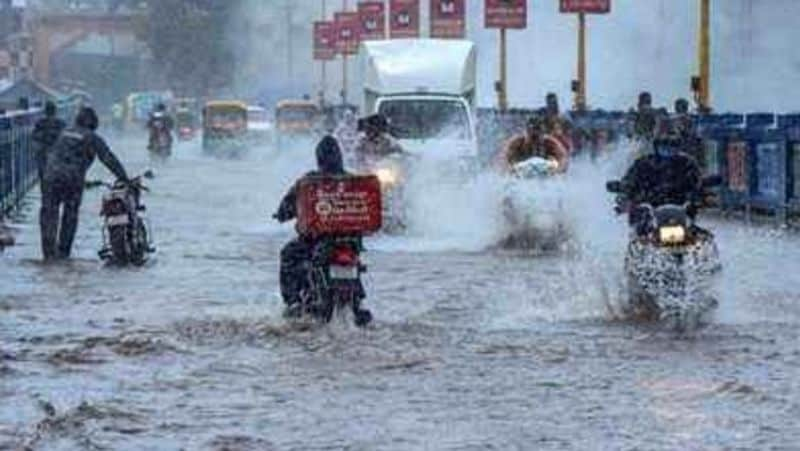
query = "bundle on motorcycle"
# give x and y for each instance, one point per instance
(670, 260)
(336, 212)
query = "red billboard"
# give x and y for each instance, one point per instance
(448, 19)
(347, 32)
(373, 20)
(585, 6)
(324, 44)
(404, 18)
(506, 13)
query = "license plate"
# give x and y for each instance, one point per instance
(117, 220)
(343, 272)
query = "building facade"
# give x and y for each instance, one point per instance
(16, 44)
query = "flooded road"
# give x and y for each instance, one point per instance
(472, 348)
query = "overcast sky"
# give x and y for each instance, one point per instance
(642, 44)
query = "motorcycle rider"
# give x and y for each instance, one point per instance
(667, 176)
(375, 143)
(159, 121)
(535, 142)
(45, 134)
(68, 160)
(296, 254)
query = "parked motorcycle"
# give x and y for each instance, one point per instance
(670, 262)
(126, 233)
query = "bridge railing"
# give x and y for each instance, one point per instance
(18, 172)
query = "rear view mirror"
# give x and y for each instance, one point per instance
(712, 181)
(614, 186)
(148, 174)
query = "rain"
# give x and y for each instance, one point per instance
(364, 224)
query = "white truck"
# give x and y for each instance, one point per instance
(426, 88)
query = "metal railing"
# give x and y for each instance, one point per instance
(17, 159)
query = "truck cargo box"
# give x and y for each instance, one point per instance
(339, 205)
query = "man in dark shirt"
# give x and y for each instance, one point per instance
(65, 169)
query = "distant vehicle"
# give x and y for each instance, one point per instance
(224, 126)
(426, 88)
(296, 119)
(185, 124)
(259, 125)
(139, 105)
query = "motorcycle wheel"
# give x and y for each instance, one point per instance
(140, 244)
(118, 239)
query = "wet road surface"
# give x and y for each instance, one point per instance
(472, 348)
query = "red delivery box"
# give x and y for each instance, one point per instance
(339, 205)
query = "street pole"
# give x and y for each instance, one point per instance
(580, 95)
(704, 56)
(502, 99)
(344, 65)
(324, 76)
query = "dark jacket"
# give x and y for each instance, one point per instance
(45, 134)
(329, 162)
(660, 180)
(74, 152)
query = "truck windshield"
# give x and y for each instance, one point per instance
(426, 118)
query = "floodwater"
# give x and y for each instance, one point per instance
(472, 347)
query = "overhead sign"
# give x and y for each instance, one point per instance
(506, 13)
(347, 32)
(585, 6)
(372, 15)
(324, 41)
(448, 19)
(404, 18)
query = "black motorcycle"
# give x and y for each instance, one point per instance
(126, 234)
(670, 261)
(334, 280)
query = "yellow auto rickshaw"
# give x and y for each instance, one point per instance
(296, 119)
(224, 125)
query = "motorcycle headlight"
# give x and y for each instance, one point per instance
(672, 234)
(386, 176)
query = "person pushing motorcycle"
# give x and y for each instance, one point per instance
(535, 142)
(296, 254)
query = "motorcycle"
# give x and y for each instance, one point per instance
(670, 262)
(126, 233)
(334, 281)
(391, 172)
(160, 145)
(534, 218)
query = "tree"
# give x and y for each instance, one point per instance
(190, 43)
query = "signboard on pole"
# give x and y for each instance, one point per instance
(448, 19)
(324, 44)
(372, 15)
(585, 6)
(404, 18)
(347, 32)
(506, 14)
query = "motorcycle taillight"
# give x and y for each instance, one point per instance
(344, 256)
(114, 207)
